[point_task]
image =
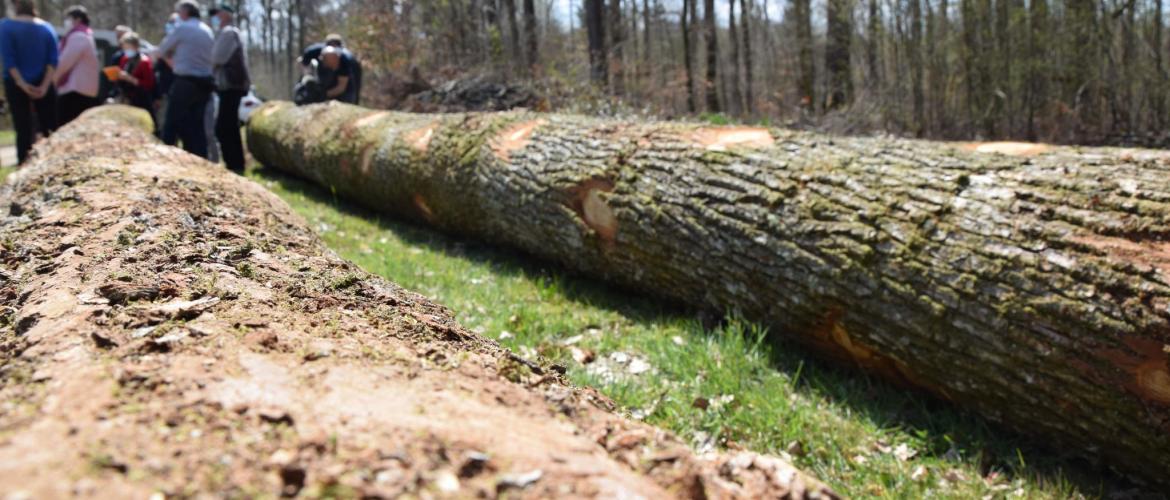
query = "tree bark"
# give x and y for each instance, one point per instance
(175, 314)
(1034, 289)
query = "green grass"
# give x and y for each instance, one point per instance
(758, 393)
(7, 137)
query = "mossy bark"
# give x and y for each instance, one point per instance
(1033, 288)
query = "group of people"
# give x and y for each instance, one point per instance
(49, 82)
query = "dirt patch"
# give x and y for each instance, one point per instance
(196, 338)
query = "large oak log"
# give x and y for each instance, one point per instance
(1027, 282)
(171, 328)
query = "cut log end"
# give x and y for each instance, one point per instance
(723, 138)
(368, 120)
(514, 138)
(1008, 148)
(599, 216)
(424, 210)
(586, 200)
(419, 140)
(1153, 380)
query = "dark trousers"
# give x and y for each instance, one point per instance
(186, 105)
(227, 130)
(70, 105)
(30, 116)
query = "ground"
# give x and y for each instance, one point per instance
(726, 386)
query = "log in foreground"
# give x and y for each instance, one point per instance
(1032, 286)
(172, 328)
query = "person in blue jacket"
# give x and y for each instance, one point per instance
(28, 47)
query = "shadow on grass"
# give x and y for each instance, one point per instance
(946, 428)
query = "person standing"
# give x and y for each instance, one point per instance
(136, 81)
(232, 81)
(164, 76)
(28, 46)
(78, 71)
(189, 49)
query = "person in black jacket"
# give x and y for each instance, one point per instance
(346, 68)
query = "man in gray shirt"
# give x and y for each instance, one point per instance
(188, 50)
(232, 81)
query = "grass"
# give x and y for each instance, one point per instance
(730, 386)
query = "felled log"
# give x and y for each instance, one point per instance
(171, 328)
(1031, 286)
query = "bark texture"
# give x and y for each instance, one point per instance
(170, 328)
(1027, 282)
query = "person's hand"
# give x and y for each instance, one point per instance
(29, 90)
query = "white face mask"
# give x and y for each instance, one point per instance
(68, 24)
(215, 22)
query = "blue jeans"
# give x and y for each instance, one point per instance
(186, 106)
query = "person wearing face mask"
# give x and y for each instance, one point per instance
(231, 84)
(189, 49)
(136, 81)
(28, 46)
(78, 71)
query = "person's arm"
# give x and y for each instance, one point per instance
(225, 46)
(20, 83)
(43, 88)
(337, 90)
(167, 46)
(70, 57)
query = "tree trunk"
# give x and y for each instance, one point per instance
(533, 53)
(595, 28)
(806, 81)
(513, 33)
(1032, 289)
(746, 18)
(839, 17)
(874, 32)
(735, 95)
(916, 68)
(616, 41)
(687, 20)
(175, 314)
(709, 35)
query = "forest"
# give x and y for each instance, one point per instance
(1068, 71)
